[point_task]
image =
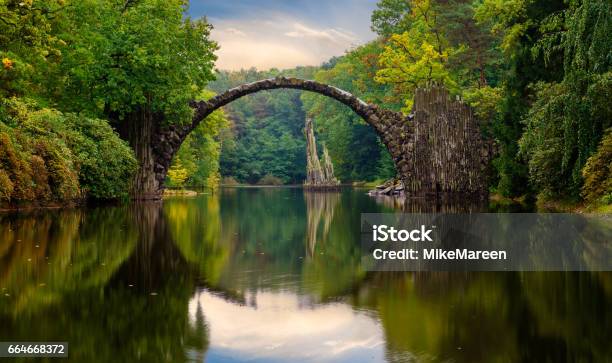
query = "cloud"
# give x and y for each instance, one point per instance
(333, 35)
(235, 32)
(284, 34)
(235, 55)
(284, 327)
(277, 40)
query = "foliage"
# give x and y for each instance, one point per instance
(569, 117)
(542, 142)
(105, 162)
(390, 17)
(29, 44)
(516, 24)
(50, 156)
(177, 174)
(197, 161)
(270, 180)
(229, 180)
(597, 173)
(418, 55)
(486, 102)
(354, 147)
(121, 58)
(436, 42)
(75, 65)
(266, 136)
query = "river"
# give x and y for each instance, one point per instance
(274, 275)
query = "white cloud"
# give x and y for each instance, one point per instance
(281, 327)
(333, 35)
(277, 41)
(235, 32)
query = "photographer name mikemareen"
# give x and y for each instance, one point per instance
(438, 254)
(384, 233)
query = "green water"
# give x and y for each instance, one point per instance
(273, 275)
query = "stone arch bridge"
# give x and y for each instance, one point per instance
(436, 150)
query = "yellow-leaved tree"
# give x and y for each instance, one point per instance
(177, 174)
(419, 55)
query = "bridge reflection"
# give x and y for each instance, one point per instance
(275, 275)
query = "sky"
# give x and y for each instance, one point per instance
(284, 33)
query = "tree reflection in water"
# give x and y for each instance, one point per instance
(276, 275)
(320, 208)
(114, 285)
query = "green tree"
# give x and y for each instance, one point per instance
(29, 44)
(390, 17)
(569, 116)
(597, 173)
(199, 154)
(354, 146)
(517, 24)
(265, 137)
(435, 41)
(137, 64)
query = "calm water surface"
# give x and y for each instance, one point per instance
(273, 275)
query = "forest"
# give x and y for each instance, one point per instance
(76, 74)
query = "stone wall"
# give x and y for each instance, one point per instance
(448, 154)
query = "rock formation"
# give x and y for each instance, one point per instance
(318, 175)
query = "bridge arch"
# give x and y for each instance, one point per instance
(389, 125)
(204, 108)
(438, 150)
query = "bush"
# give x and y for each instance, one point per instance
(35, 168)
(106, 163)
(597, 173)
(269, 179)
(49, 156)
(229, 180)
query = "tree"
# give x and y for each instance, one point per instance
(438, 41)
(265, 138)
(177, 174)
(354, 146)
(137, 65)
(570, 116)
(390, 17)
(517, 25)
(199, 154)
(29, 44)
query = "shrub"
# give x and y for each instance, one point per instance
(6, 185)
(269, 179)
(177, 174)
(229, 180)
(46, 155)
(597, 173)
(106, 163)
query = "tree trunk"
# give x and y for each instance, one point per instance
(138, 129)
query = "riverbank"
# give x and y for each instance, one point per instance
(39, 206)
(552, 206)
(540, 205)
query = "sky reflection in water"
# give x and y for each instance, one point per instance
(274, 275)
